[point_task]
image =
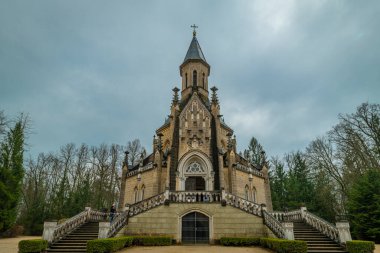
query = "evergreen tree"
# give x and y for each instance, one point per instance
(364, 206)
(278, 181)
(11, 174)
(255, 152)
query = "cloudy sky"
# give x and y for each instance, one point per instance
(102, 71)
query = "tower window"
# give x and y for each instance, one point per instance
(194, 78)
(203, 81)
(186, 80)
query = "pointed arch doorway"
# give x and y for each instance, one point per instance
(195, 228)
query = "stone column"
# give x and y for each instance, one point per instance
(288, 227)
(343, 231)
(49, 227)
(104, 227)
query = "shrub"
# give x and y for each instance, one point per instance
(284, 246)
(360, 246)
(239, 241)
(152, 240)
(36, 245)
(108, 244)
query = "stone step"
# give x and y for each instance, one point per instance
(312, 243)
(82, 246)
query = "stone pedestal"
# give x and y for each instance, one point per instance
(104, 227)
(343, 231)
(289, 234)
(49, 227)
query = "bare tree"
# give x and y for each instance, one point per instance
(134, 148)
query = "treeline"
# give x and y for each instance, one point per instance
(59, 185)
(338, 173)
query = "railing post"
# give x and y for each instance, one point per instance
(166, 194)
(125, 208)
(49, 227)
(343, 231)
(88, 210)
(104, 228)
(288, 229)
(303, 212)
(263, 208)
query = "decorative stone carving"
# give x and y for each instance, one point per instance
(195, 168)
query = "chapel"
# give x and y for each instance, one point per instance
(195, 187)
(194, 159)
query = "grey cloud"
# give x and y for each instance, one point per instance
(94, 72)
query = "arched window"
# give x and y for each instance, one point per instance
(246, 191)
(254, 194)
(186, 80)
(194, 78)
(203, 81)
(142, 192)
(136, 194)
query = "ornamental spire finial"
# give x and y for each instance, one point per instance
(194, 31)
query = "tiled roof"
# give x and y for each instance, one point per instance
(195, 51)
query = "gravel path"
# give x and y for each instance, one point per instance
(10, 245)
(195, 249)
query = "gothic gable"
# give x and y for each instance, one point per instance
(194, 126)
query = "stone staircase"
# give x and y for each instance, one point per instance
(76, 241)
(316, 242)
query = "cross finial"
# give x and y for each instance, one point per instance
(194, 31)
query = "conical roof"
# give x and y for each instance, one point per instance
(194, 52)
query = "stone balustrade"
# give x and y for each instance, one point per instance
(53, 232)
(275, 225)
(194, 196)
(147, 204)
(288, 216)
(147, 167)
(321, 225)
(109, 229)
(248, 169)
(242, 204)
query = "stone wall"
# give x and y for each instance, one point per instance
(148, 180)
(224, 221)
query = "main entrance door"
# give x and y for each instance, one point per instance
(195, 228)
(195, 184)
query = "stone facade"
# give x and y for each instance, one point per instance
(224, 221)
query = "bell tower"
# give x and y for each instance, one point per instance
(194, 70)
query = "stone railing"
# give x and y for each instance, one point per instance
(54, 233)
(248, 169)
(97, 215)
(148, 204)
(274, 224)
(321, 225)
(148, 166)
(194, 196)
(287, 216)
(109, 229)
(242, 204)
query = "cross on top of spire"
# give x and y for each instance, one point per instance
(194, 31)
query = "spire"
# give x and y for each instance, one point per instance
(214, 96)
(194, 52)
(175, 95)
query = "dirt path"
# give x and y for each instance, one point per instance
(10, 245)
